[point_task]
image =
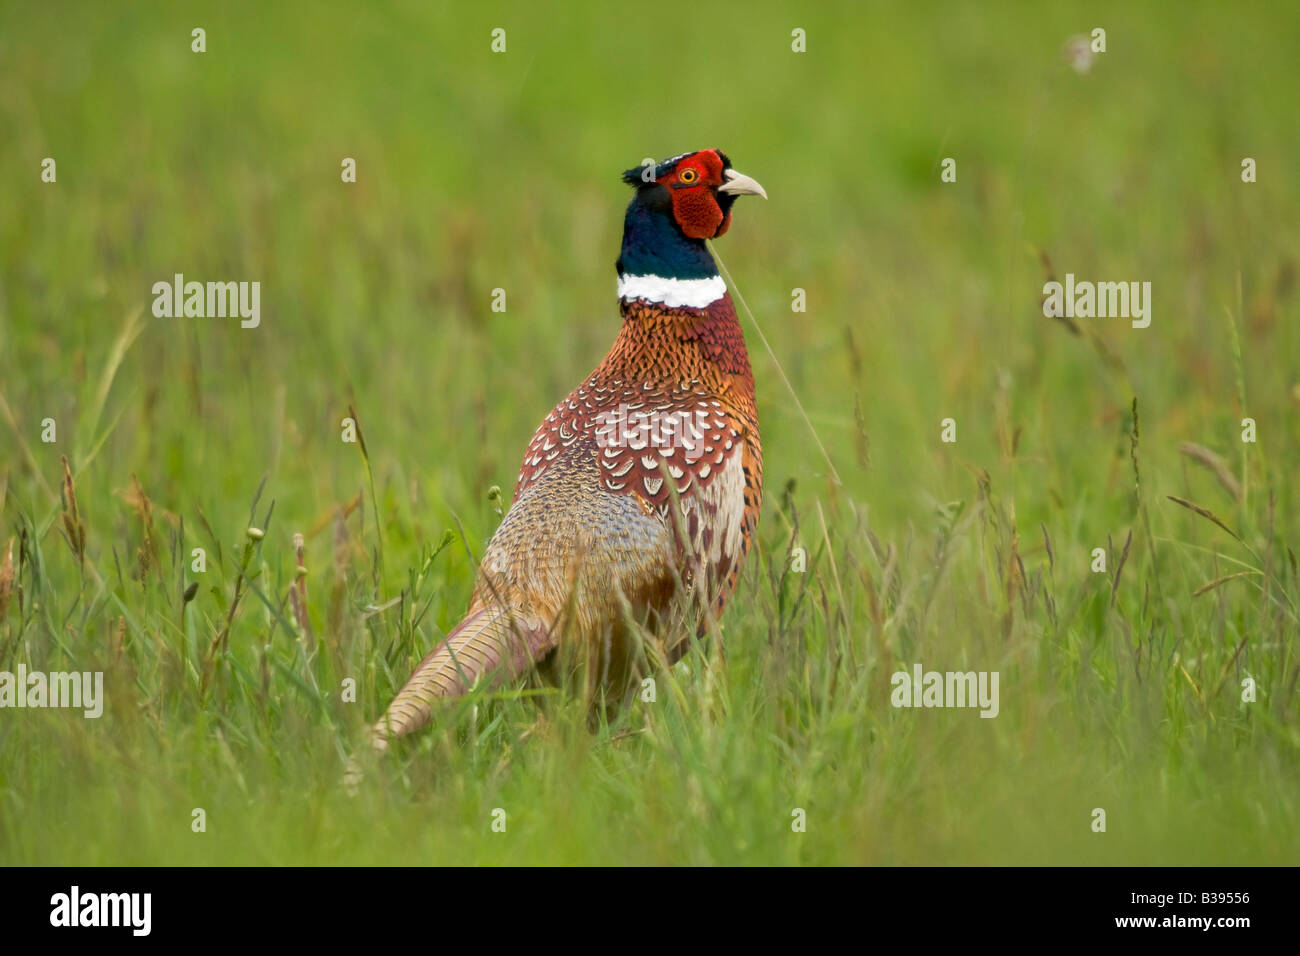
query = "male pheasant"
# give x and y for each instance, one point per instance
(640, 488)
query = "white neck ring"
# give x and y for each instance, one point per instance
(674, 293)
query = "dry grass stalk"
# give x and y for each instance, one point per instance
(298, 591)
(1204, 513)
(1216, 465)
(74, 528)
(1211, 585)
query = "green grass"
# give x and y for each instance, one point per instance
(480, 171)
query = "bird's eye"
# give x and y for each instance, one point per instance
(689, 176)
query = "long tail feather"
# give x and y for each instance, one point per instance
(490, 641)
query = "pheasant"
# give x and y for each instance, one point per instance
(639, 488)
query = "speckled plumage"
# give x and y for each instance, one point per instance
(637, 498)
(681, 365)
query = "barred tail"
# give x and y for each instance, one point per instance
(489, 641)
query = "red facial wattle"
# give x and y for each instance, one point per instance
(695, 202)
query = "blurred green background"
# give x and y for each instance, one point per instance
(480, 170)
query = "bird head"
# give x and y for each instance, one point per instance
(696, 189)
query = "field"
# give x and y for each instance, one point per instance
(1162, 689)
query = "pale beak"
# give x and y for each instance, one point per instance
(741, 185)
